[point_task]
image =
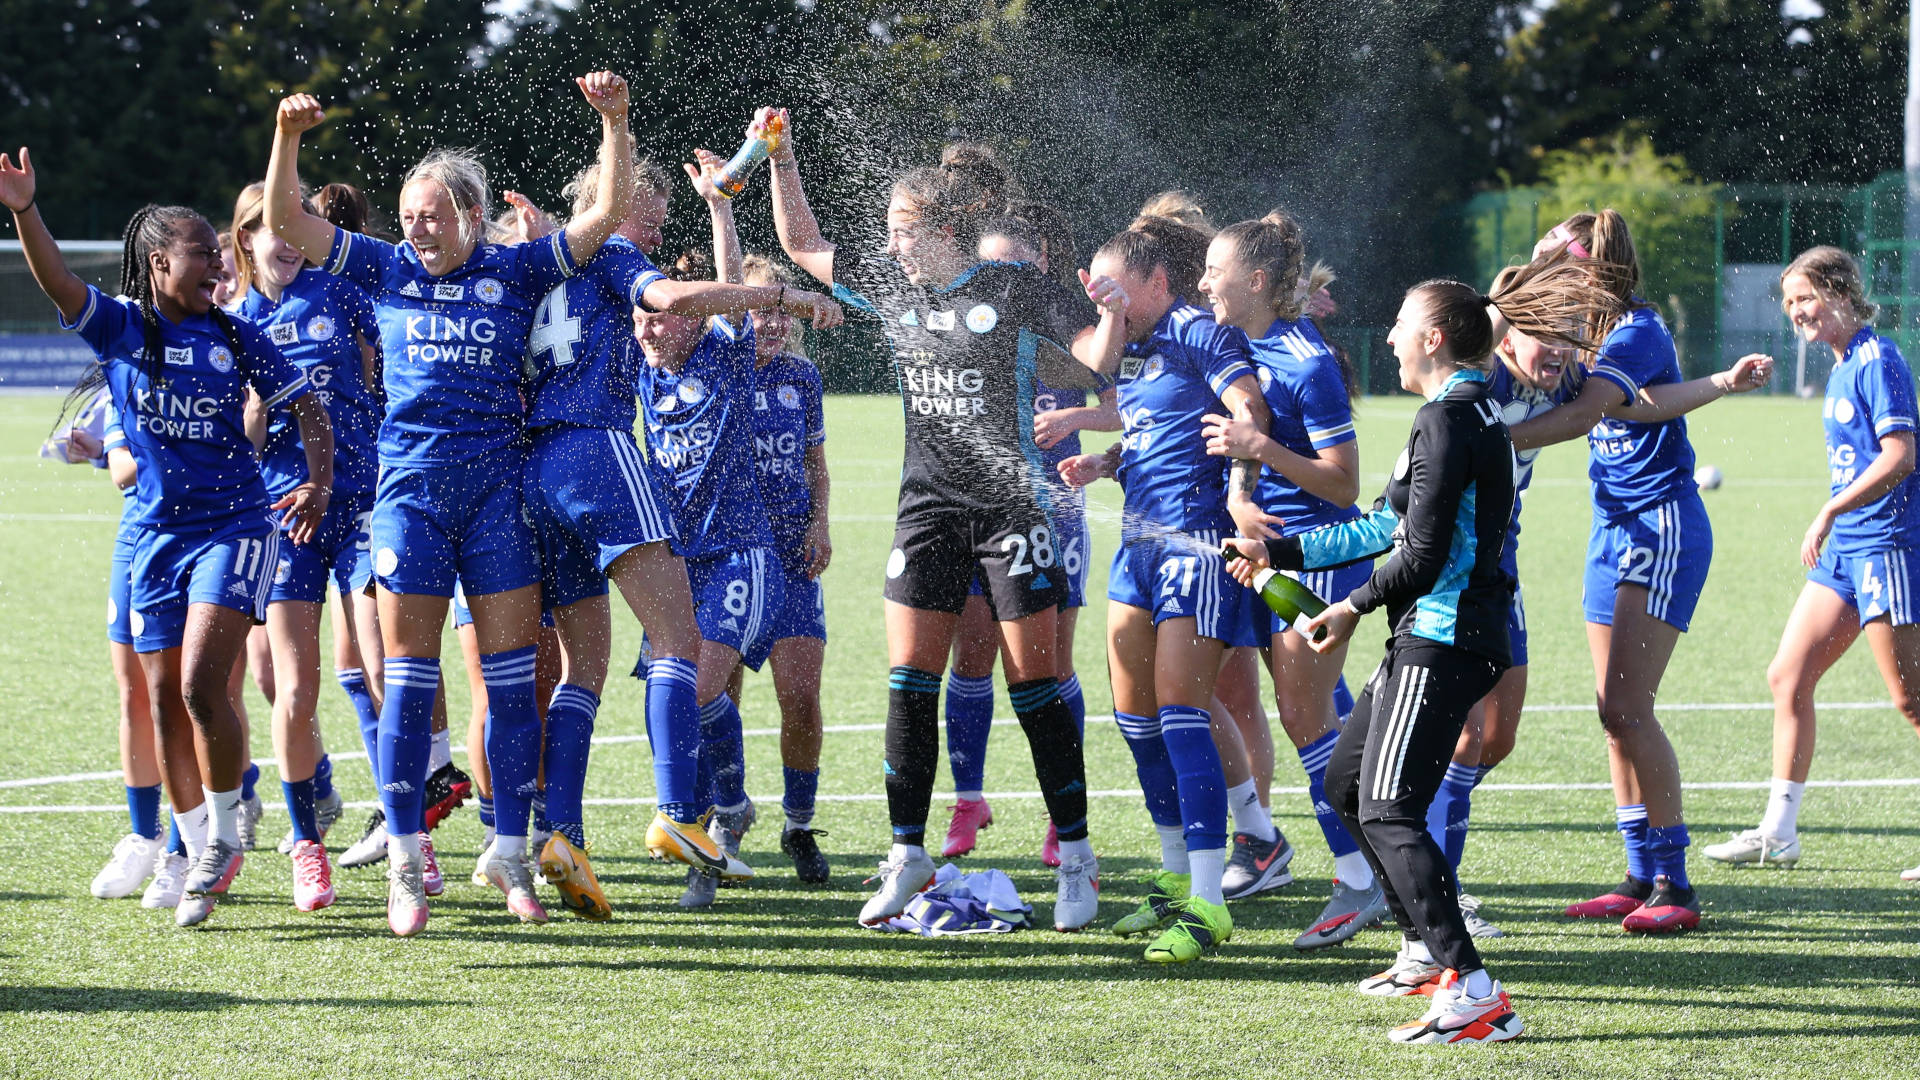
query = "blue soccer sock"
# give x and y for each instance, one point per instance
(722, 746)
(802, 786)
(1448, 815)
(143, 811)
(1154, 768)
(1667, 852)
(406, 733)
(486, 811)
(969, 723)
(1188, 733)
(570, 718)
(513, 737)
(299, 795)
(673, 727)
(354, 682)
(1480, 773)
(1632, 823)
(538, 804)
(248, 779)
(1342, 700)
(1313, 759)
(323, 778)
(176, 844)
(1076, 700)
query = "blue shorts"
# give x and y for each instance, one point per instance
(1175, 580)
(119, 584)
(592, 499)
(463, 615)
(734, 599)
(438, 524)
(1875, 584)
(1666, 550)
(233, 569)
(803, 605)
(1329, 585)
(338, 549)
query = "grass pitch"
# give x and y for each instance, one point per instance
(1808, 972)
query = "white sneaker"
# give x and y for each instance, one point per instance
(251, 812)
(700, 891)
(1478, 927)
(1456, 1018)
(1753, 846)
(481, 864)
(205, 880)
(1910, 875)
(406, 897)
(1079, 893)
(1404, 979)
(133, 861)
(371, 847)
(169, 879)
(900, 879)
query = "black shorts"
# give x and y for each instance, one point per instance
(936, 558)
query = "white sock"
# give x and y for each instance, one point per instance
(1353, 870)
(792, 824)
(223, 815)
(1415, 949)
(1782, 820)
(509, 847)
(404, 847)
(1208, 867)
(907, 853)
(1173, 849)
(1248, 815)
(193, 829)
(1477, 984)
(970, 796)
(440, 754)
(1076, 849)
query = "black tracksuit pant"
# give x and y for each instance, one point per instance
(1386, 769)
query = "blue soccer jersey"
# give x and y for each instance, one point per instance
(197, 473)
(582, 360)
(1869, 396)
(452, 346)
(1167, 383)
(313, 324)
(1635, 466)
(1300, 379)
(1518, 403)
(787, 422)
(700, 441)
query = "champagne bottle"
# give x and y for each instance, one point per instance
(731, 179)
(1288, 598)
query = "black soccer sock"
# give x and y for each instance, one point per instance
(912, 749)
(1057, 759)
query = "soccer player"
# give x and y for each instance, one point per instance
(454, 315)
(1172, 610)
(971, 343)
(1026, 235)
(320, 323)
(179, 367)
(790, 443)
(1860, 547)
(1646, 562)
(1255, 278)
(1441, 523)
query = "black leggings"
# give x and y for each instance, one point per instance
(1386, 768)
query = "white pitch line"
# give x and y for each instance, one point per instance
(1114, 793)
(844, 729)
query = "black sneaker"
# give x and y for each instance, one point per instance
(808, 860)
(447, 788)
(1256, 865)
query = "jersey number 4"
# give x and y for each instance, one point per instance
(554, 331)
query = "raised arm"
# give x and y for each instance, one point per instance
(728, 261)
(282, 211)
(1665, 402)
(62, 286)
(1101, 350)
(613, 197)
(793, 218)
(1563, 423)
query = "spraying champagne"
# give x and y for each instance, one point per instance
(731, 179)
(1288, 598)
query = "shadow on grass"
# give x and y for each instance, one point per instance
(104, 999)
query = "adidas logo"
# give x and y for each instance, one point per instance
(730, 623)
(239, 588)
(410, 289)
(398, 787)
(1040, 582)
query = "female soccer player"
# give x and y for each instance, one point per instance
(1026, 235)
(1172, 610)
(1646, 564)
(1255, 280)
(179, 367)
(454, 316)
(1441, 522)
(971, 342)
(1860, 547)
(319, 322)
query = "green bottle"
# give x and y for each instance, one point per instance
(1288, 598)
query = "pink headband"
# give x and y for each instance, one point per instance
(1561, 232)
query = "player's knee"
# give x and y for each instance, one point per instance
(205, 694)
(1908, 705)
(1618, 721)
(1785, 680)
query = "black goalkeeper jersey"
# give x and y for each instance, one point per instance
(970, 359)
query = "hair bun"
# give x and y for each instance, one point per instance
(1485, 300)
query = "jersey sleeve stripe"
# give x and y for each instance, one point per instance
(640, 285)
(342, 244)
(562, 254)
(292, 389)
(86, 313)
(1618, 378)
(1331, 436)
(1227, 376)
(1893, 423)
